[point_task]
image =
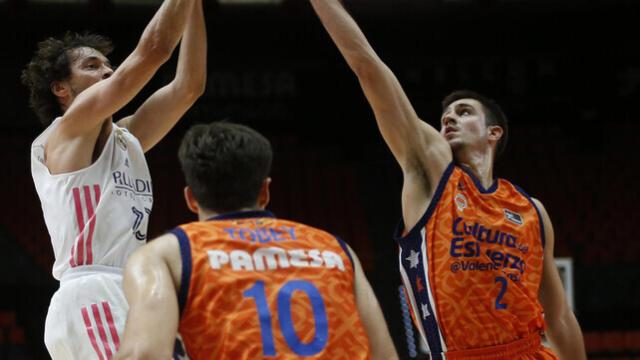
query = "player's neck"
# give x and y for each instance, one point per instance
(204, 214)
(480, 164)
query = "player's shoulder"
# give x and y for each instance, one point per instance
(162, 246)
(303, 227)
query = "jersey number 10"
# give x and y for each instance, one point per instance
(319, 341)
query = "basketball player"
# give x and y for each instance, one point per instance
(240, 283)
(476, 253)
(91, 174)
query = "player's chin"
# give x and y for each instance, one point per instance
(455, 143)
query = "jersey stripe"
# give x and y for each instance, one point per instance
(92, 222)
(111, 324)
(80, 221)
(100, 325)
(185, 252)
(92, 336)
(412, 302)
(542, 234)
(434, 326)
(346, 251)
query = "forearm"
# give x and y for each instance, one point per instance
(191, 72)
(346, 34)
(566, 338)
(134, 352)
(163, 32)
(406, 135)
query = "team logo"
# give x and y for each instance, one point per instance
(461, 202)
(513, 217)
(120, 140)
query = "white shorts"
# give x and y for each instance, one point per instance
(87, 314)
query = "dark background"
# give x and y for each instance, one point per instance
(566, 73)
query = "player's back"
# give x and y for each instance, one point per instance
(254, 286)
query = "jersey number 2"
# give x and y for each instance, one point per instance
(503, 289)
(319, 341)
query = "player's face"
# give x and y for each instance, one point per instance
(88, 66)
(463, 125)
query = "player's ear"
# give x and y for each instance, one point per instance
(59, 89)
(191, 201)
(495, 132)
(264, 196)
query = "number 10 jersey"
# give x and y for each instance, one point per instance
(254, 286)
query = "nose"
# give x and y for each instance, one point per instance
(448, 119)
(107, 73)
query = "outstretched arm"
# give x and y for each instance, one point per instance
(375, 326)
(153, 120)
(71, 144)
(151, 280)
(420, 150)
(104, 98)
(563, 330)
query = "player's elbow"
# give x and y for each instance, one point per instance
(366, 66)
(185, 92)
(194, 88)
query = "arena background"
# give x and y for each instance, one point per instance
(566, 72)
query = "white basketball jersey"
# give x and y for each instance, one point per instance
(97, 215)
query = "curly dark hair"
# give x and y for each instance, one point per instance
(50, 63)
(225, 165)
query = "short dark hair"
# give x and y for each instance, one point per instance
(493, 112)
(50, 63)
(225, 164)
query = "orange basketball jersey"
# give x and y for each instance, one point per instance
(254, 287)
(472, 268)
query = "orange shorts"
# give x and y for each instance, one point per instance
(529, 348)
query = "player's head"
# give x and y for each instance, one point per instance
(226, 167)
(62, 68)
(473, 121)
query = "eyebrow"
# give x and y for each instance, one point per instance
(96, 58)
(463, 105)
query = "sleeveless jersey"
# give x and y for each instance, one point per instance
(97, 215)
(254, 286)
(472, 265)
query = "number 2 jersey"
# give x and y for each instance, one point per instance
(254, 286)
(472, 267)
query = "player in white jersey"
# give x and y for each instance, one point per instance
(91, 174)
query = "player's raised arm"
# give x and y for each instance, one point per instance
(563, 330)
(409, 138)
(98, 102)
(373, 321)
(165, 107)
(420, 150)
(151, 278)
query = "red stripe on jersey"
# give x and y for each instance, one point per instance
(92, 336)
(92, 221)
(80, 221)
(110, 322)
(103, 334)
